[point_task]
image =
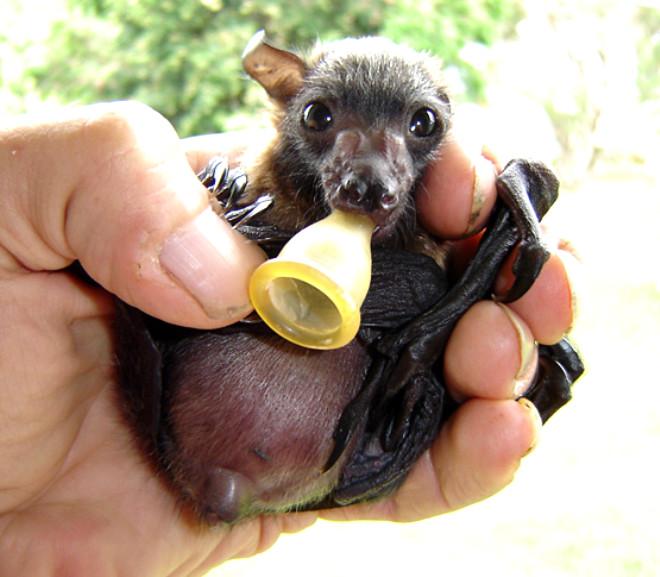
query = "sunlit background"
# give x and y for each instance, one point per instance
(574, 82)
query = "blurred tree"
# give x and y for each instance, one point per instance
(648, 47)
(183, 58)
(454, 31)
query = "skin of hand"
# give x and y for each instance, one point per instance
(113, 187)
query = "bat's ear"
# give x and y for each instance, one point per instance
(278, 71)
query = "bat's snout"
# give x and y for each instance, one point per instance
(368, 173)
(376, 199)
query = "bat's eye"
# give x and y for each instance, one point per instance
(424, 122)
(317, 116)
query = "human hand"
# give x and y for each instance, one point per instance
(109, 185)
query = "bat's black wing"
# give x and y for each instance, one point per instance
(403, 402)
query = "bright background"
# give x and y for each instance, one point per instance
(572, 82)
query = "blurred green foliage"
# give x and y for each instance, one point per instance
(445, 27)
(183, 57)
(648, 19)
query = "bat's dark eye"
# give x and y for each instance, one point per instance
(317, 116)
(424, 122)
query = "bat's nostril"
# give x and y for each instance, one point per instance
(388, 200)
(362, 195)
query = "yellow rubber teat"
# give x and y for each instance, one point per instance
(312, 292)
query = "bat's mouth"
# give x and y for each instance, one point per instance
(388, 224)
(383, 208)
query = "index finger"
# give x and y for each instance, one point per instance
(232, 145)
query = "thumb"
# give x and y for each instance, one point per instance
(109, 185)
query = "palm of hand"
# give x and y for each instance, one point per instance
(71, 475)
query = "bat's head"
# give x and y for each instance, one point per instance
(359, 121)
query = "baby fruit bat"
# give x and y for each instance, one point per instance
(240, 422)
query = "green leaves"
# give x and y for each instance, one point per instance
(183, 58)
(445, 27)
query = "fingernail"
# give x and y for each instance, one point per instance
(484, 180)
(213, 263)
(528, 353)
(535, 419)
(574, 281)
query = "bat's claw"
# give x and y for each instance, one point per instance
(214, 174)
(241, 215)
(228, 186)
(236, 185)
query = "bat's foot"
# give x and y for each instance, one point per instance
(227, 185)
(214, 175)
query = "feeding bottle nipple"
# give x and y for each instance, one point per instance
(312, 292)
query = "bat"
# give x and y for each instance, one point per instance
(238, 421)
